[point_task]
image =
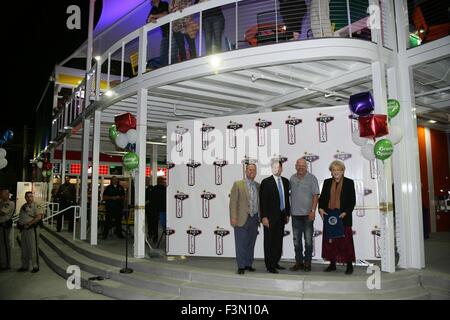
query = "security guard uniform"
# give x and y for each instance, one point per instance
(29, 235)
(6, 212)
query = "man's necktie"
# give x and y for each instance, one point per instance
(280, 192)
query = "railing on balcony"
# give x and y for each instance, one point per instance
(186, 34)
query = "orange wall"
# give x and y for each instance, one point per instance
(423, 166)
(439, 151)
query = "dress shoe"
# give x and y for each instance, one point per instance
(240, 271)
(251, 269)
(35, 270)
(297, 266)
(307, 266)
(22, 270)
(279, 267)
(331, 267)
(272, 270)
(349, 269)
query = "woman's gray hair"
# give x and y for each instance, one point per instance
(338, 164)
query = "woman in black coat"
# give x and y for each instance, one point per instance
(338, 192)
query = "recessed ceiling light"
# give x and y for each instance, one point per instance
(432, 121)
(164, 137)
(215, 61)
(109, 93)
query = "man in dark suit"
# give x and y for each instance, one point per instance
(275, 211)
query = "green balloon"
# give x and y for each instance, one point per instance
(383, 149)
(49, 173)
(393, 108)
(130, 161)
(113, 132)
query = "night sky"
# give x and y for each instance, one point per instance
(35, 38)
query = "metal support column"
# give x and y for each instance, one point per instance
(139, 185)
(94, 176)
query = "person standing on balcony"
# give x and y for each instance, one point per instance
(320, 19)
(66, 197)
(29, 216)
(6, 212)
(213, 23)
(161, 9)
(114, 196)
(292, 12)
(184, 29)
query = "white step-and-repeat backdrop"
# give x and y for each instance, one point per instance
(206, 157)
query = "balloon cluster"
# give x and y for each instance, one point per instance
(372, 126)
(6, 136)
(124, 135)
(47, 168)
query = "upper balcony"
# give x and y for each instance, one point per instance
(428, 21)
(240, 24)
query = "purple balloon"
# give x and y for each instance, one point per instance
(361, 103)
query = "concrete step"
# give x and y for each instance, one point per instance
(156, 283)
(436, 283)
(338, 283)
(358, 284)
(105, 287)
(180, 281)
(136, 279)
(416, 293)
(437, 293)
(204, 291)
(75, 258)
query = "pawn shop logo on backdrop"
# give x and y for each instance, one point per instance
(74, 19)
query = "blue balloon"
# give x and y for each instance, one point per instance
(131, 147)
(8, 135)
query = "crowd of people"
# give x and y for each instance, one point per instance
(185, 30)
(31, 213)
(276, 199)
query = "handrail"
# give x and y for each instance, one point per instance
(59, 212)
(141, 34)
(173, 16)
(76, 215)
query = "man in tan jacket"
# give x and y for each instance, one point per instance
(244, 217)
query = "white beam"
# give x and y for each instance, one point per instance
(431, 197)
(183, 92)
(139, 211)
(407, 184)
(429, 52)
(154, 164)
(296, 95)
(63, 160)
(94, 176)
(84, 177)
(385, 175)
(90, 35)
